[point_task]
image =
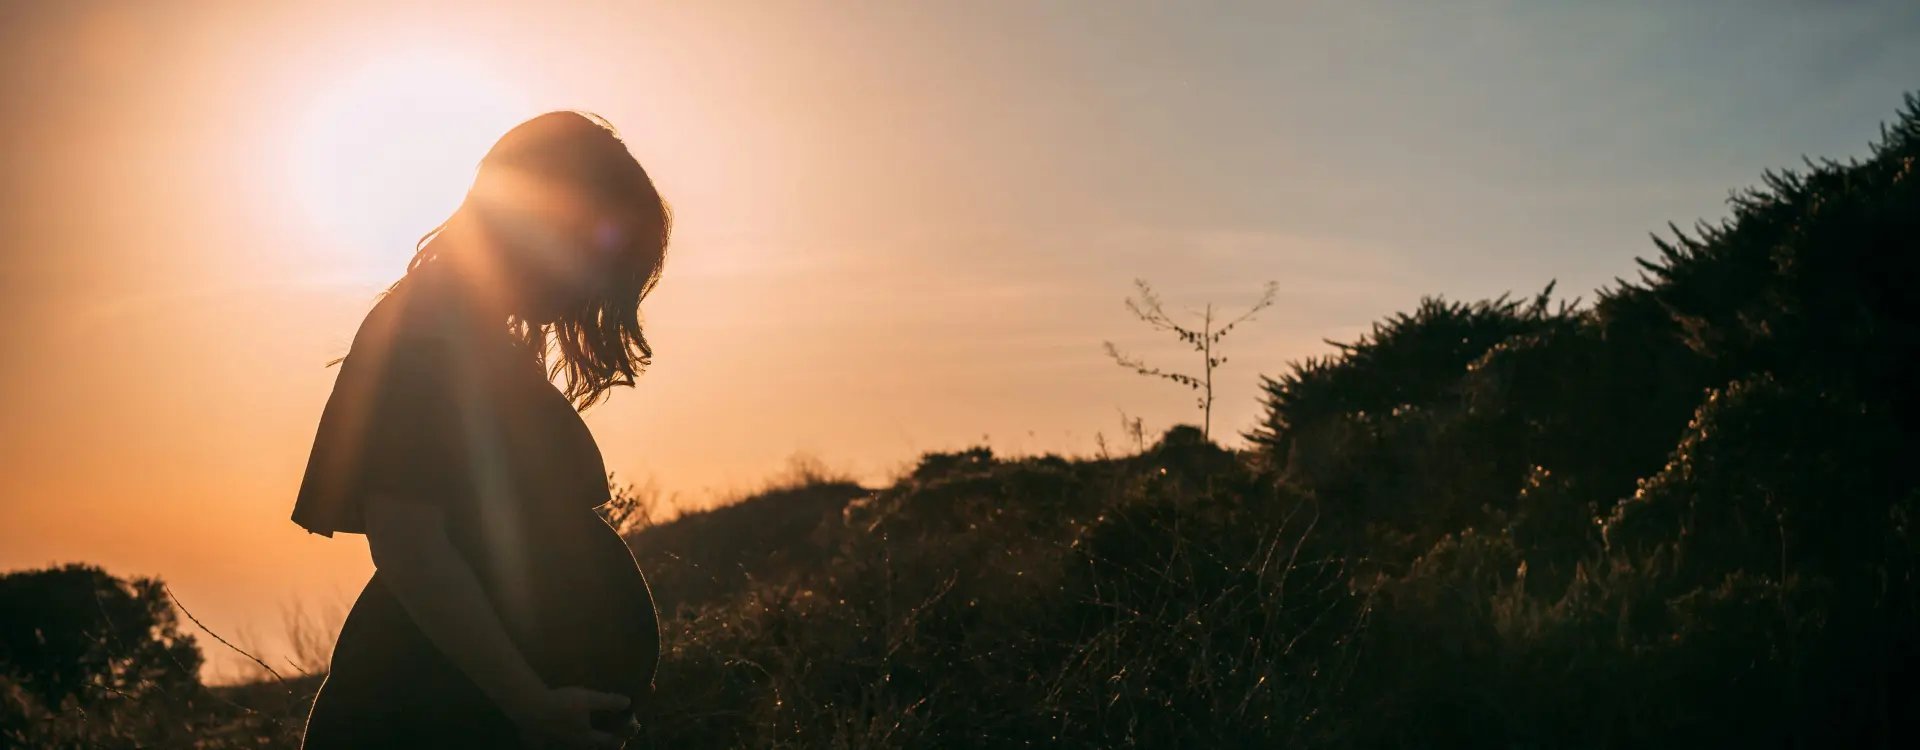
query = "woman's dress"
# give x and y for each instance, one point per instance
(427, 407)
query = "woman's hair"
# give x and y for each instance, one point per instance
(598, 342)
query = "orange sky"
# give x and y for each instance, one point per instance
(901, 227)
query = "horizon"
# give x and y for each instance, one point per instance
(871, 261)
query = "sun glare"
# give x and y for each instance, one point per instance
(386, 150)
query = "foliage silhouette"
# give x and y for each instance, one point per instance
(74, 631)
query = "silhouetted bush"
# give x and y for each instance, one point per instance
(89, 660)
(76, 632)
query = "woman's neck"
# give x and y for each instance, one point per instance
(475, 269)
(442, 282)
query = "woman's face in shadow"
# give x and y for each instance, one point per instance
(558, 243)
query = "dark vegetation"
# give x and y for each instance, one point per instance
(1682, 515)
(89, 660)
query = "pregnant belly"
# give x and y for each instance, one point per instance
(585, 615)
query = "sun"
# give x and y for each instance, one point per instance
(383, 152)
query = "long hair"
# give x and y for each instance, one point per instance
(598, 343)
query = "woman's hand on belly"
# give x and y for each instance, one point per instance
(441, 594)
(563, 717)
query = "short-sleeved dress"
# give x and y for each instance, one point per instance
(425, 406)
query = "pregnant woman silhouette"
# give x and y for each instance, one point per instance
(503, 612)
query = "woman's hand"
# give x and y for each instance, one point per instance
(563, 718)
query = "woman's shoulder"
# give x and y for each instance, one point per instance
(417, 313)
(407, 310)
(419, 325)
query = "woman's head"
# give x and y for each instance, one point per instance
(564, 230)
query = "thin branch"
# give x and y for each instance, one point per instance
(1148, 309)
(216, 636)
(1142, 368)
(1267, 298)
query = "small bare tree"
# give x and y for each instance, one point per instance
(1204, 340)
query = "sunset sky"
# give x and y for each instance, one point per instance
(901, 227)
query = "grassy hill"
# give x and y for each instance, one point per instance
(1681, 515)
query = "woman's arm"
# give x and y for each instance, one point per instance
(439, 591)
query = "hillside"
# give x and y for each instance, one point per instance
(1681, 515)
